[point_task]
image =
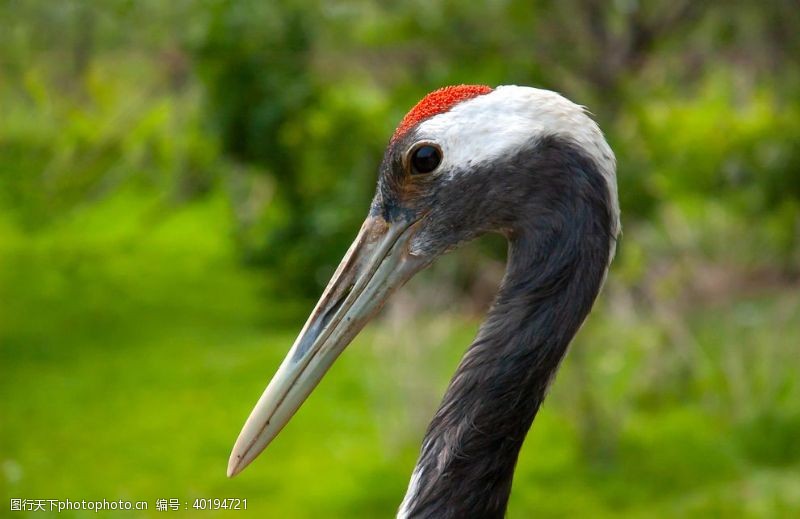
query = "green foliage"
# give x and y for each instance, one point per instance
(123, 129)
(712, 146)
(126, 369)
(178, 179)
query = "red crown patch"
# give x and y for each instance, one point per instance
(437, 102)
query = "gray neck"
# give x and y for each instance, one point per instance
(555, 270)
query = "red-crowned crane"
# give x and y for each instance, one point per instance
(466, 160)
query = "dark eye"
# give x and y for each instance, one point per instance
(425, 159)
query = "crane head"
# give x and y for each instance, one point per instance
(464, 161)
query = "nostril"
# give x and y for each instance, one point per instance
(319, 324)
(335, 307)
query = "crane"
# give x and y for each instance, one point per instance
(466, 160)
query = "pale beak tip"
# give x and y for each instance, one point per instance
(236, 464)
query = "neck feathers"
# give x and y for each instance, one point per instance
(558, 257)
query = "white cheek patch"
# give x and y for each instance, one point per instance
(502, 122)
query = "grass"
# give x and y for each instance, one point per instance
(131, 353)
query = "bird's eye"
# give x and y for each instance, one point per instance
(425, 159)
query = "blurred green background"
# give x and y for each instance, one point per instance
(179, 179)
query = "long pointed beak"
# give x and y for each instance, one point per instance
(377, 263)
